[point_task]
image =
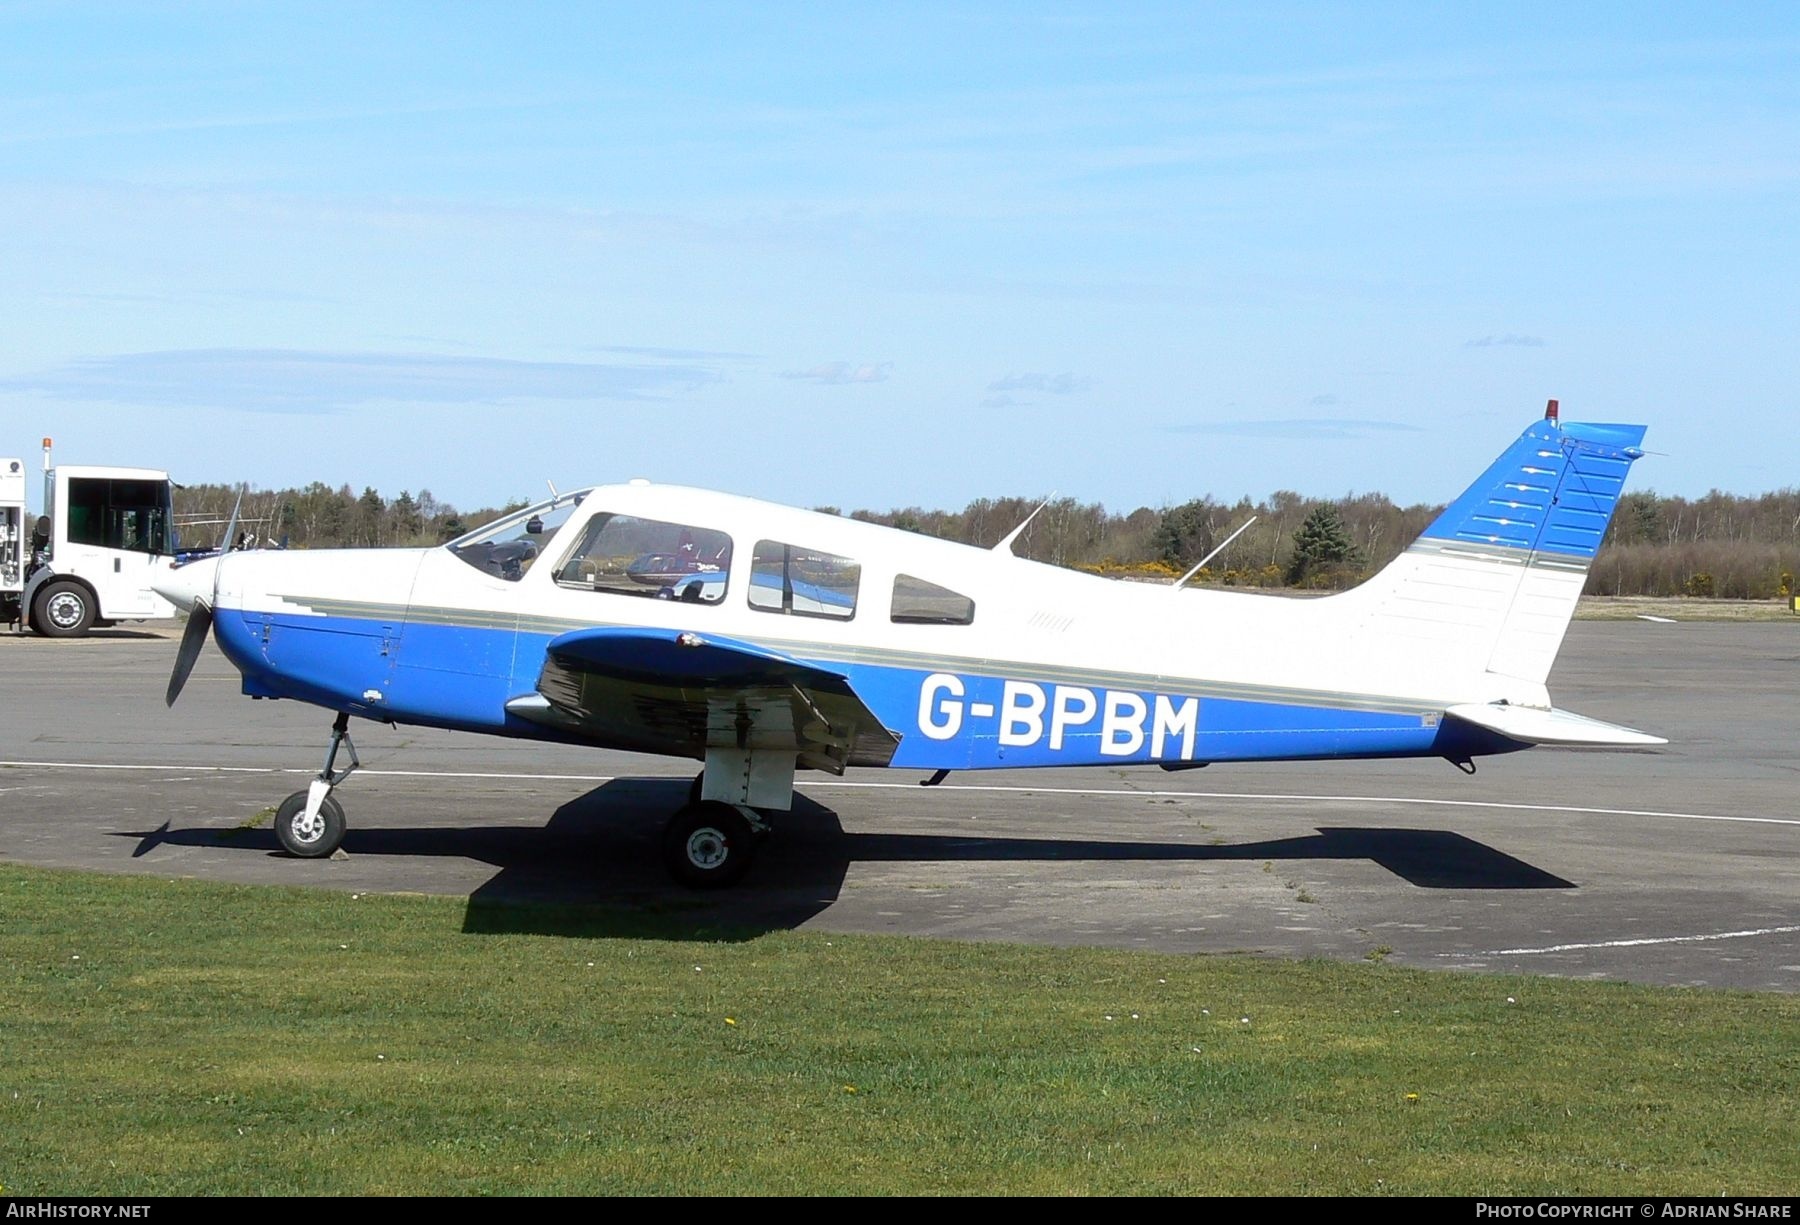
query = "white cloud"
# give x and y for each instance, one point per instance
(1296, 427)
(310, 381)
(1051, 384)
(1510, 338)
(843, 372)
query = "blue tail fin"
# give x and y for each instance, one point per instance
(1552, 492)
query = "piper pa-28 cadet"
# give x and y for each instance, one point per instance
(762, 640)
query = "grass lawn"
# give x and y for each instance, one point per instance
(1682, 608)
(175, 1037)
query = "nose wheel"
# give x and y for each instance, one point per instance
(313, 836)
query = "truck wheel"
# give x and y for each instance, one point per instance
(63, 610)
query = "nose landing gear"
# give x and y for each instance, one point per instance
(310, 823)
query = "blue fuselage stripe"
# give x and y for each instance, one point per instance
(461, 677)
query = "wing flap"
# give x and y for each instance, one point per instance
(665, 692)
(1533, 726)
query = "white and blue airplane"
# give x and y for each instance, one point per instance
(762, 640)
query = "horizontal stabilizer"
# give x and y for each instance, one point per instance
(1528, 725)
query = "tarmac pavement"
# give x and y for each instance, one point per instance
(1674, 865)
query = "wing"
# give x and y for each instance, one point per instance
(659, 691)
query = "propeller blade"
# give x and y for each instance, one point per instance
(228, 542)
(200, 620)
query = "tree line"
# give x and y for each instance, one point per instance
(321, 517)
(1725, 545)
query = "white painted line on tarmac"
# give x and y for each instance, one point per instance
(1626, 944)
(915, 788)
(503, 774)
(1335, 799)
(366, 771)
(94, 765)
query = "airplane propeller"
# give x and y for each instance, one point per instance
(229, 539)
(200, 611)
(199, 624)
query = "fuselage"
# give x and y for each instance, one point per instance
(974, 658)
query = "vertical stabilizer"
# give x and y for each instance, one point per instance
(1491, 585)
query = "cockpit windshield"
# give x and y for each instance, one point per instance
(507, 547)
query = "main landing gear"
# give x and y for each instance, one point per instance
(711, 840)
(709, 844)
(310, 823)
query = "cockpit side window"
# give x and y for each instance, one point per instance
(626, 555)
(918, 601)
(786, 578)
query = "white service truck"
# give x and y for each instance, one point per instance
(90, 557)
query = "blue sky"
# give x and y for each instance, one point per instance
(898, 254)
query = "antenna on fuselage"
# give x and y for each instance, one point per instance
(1197, 565)
(1006, 543)
(554, 496)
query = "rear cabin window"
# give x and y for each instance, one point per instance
(786, 578)
(626, 555)
(919, 602)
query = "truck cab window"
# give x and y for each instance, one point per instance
(119, 514)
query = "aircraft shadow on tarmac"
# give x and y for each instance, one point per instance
(594, 868)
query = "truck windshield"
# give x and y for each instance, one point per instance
(120, 514)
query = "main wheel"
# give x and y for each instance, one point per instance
(309, 840)
(63, 609)
(695, 786)
(708, 845)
